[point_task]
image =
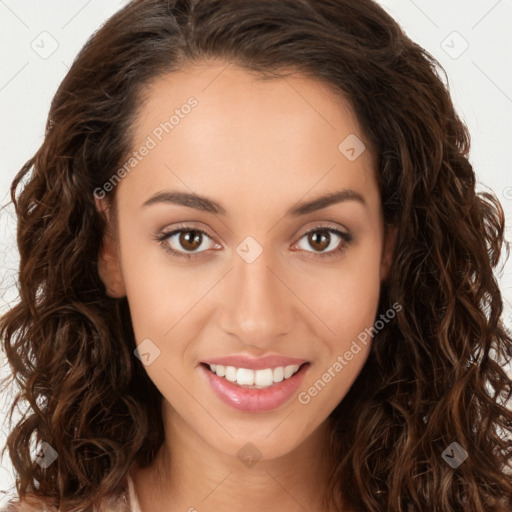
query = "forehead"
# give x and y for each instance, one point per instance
(243, 133)
(230, 97)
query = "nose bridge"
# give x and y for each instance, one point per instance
(258, 309)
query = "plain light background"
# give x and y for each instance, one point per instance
(39, 40)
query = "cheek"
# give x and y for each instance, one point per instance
(345, 295)
(159, 294)
(348, 307)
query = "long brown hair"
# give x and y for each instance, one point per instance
(434, 375)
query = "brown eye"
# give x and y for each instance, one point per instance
(319, 239)
(190, 242)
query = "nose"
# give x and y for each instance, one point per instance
(259, 307)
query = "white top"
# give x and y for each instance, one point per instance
(132, 497)
(127, 502)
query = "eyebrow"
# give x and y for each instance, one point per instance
(208, 205)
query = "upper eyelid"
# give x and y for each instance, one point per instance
(188, 227)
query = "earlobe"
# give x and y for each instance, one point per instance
(109, 268)
(388, 250)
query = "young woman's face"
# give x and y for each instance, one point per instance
(245, 162)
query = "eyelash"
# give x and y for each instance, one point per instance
(164, 236)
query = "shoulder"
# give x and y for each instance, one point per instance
(113, 503)
(123, 501)
(29, 504)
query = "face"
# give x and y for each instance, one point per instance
(248, 270)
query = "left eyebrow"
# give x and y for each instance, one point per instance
(325, 201)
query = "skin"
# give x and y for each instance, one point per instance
(257, 148)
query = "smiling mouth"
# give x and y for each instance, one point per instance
(254, 379)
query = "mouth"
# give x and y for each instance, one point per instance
(254, 390)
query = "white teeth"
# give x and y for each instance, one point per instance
(244, 377)
(264, 378)
(289, 371)
(257, 379)
(278, 374)
(231, 373)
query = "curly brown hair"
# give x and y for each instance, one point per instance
(435, 375)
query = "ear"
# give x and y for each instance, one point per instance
(390, 236)
(109, 267)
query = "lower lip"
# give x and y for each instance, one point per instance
(255, 400)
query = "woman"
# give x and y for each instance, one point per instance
(255, 273)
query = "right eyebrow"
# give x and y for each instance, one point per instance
(185, 199)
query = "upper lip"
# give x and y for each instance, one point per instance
(255, 363)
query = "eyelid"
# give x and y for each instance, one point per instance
(324, 225)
